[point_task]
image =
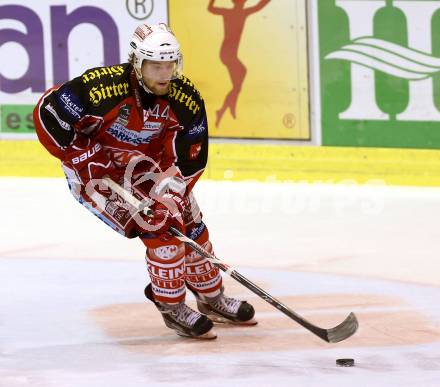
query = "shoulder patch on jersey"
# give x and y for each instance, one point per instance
(198, 128)
(194, 150)
(69, 102)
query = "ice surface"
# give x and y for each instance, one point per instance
(72, 311)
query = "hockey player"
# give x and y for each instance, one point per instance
(144, 122)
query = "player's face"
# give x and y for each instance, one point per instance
(157, 75)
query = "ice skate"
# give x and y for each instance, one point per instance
(222, 309)
(183, 320)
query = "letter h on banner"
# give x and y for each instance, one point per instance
(418, 16)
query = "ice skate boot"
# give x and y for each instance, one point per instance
(183, 320)
(222, 309)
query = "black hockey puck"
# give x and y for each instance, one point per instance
(345, 362)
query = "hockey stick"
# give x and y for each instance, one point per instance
(333, 335)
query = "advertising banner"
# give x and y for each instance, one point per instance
(379, 77)
(43, 43)
(249, 60)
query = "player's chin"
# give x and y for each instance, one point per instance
(161, 88)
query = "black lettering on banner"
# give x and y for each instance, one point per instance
(30, 121)
(16, 119)
(139, 9)
(13, 121)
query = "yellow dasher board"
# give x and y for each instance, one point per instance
(249, 60)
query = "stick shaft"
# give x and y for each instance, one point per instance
(344, 330)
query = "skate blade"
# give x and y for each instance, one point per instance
(222, 320)
(211, 335)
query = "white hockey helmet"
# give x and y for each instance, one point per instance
(156, 43)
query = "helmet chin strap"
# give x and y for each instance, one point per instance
(142, 83)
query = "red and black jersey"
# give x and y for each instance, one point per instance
(107, 104)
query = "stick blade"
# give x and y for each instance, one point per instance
(344, 330)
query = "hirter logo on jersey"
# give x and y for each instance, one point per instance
(194, 150)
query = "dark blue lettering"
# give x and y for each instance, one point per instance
(32, 42)
(63, 24)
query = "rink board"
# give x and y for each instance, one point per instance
(268, 162)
